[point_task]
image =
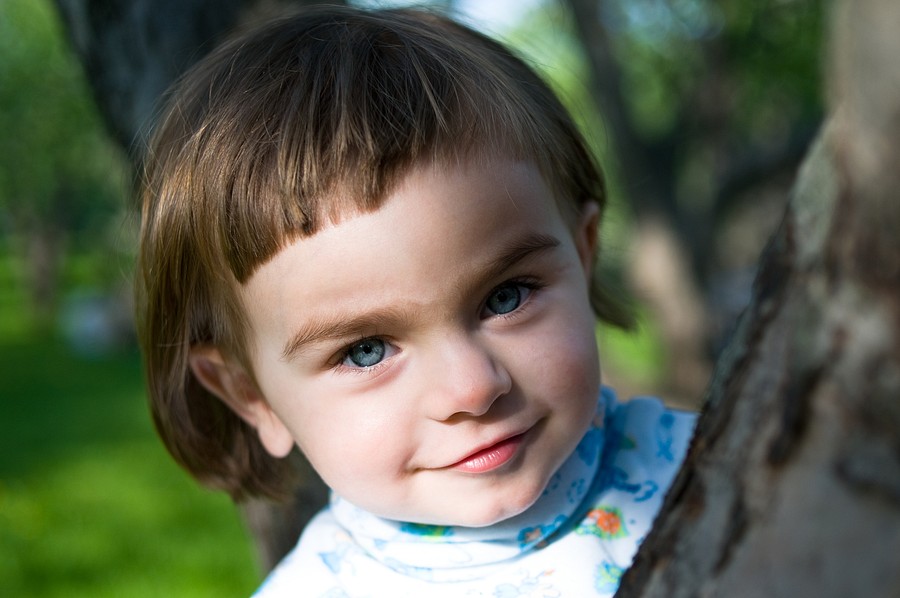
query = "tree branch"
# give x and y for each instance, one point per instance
(647, 169)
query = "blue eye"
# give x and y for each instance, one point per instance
(504, 299)
(365, 353)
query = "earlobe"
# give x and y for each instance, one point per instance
(231, 384)
(587, 235)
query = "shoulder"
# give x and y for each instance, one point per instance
(306, 567)
(645, 443)
(643, 432)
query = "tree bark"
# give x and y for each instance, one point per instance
(131, 51)
(792, 485)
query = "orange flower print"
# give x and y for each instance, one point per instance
(604, 522)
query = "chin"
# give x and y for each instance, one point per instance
(501, 508)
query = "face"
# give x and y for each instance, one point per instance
(434, 359)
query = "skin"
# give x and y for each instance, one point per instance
(392, 347)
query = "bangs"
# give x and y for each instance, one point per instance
(281, 131)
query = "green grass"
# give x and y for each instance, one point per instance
(90, 503)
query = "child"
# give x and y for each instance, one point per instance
(370, 235)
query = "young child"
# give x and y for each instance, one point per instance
(371, 236)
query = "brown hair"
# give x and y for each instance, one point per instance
(255, 142)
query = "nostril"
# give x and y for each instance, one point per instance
(472, 381)
(487, 385)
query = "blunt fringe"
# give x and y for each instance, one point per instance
(285, 128)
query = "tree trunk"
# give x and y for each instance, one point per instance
(132, 50)
(792, 485)
(44, 249)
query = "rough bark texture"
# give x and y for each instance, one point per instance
(792, 486)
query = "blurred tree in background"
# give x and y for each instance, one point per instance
(61, 180)
(710, 107)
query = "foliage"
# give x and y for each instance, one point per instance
(767, 52)
(61, 179)
(713, 87)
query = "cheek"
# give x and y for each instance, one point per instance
(566, 360)
(578, 365)
(339, 441)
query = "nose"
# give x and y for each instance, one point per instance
(466, 378)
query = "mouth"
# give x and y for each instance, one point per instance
(490, 458)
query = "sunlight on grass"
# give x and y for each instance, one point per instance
(13, 322)
(90, 503)
(120, 523)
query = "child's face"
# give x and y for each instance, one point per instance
(434, 359)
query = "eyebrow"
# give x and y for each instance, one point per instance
(518, 250)
(342, 326)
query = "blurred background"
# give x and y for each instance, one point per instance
(700, 112)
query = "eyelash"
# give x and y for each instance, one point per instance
(337, 363)
(532, 284)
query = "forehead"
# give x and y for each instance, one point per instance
(438, 228)
(435, 196)
(504, 178)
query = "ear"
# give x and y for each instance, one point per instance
(586, 235)
(231, 384)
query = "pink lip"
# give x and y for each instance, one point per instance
(490, 458)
